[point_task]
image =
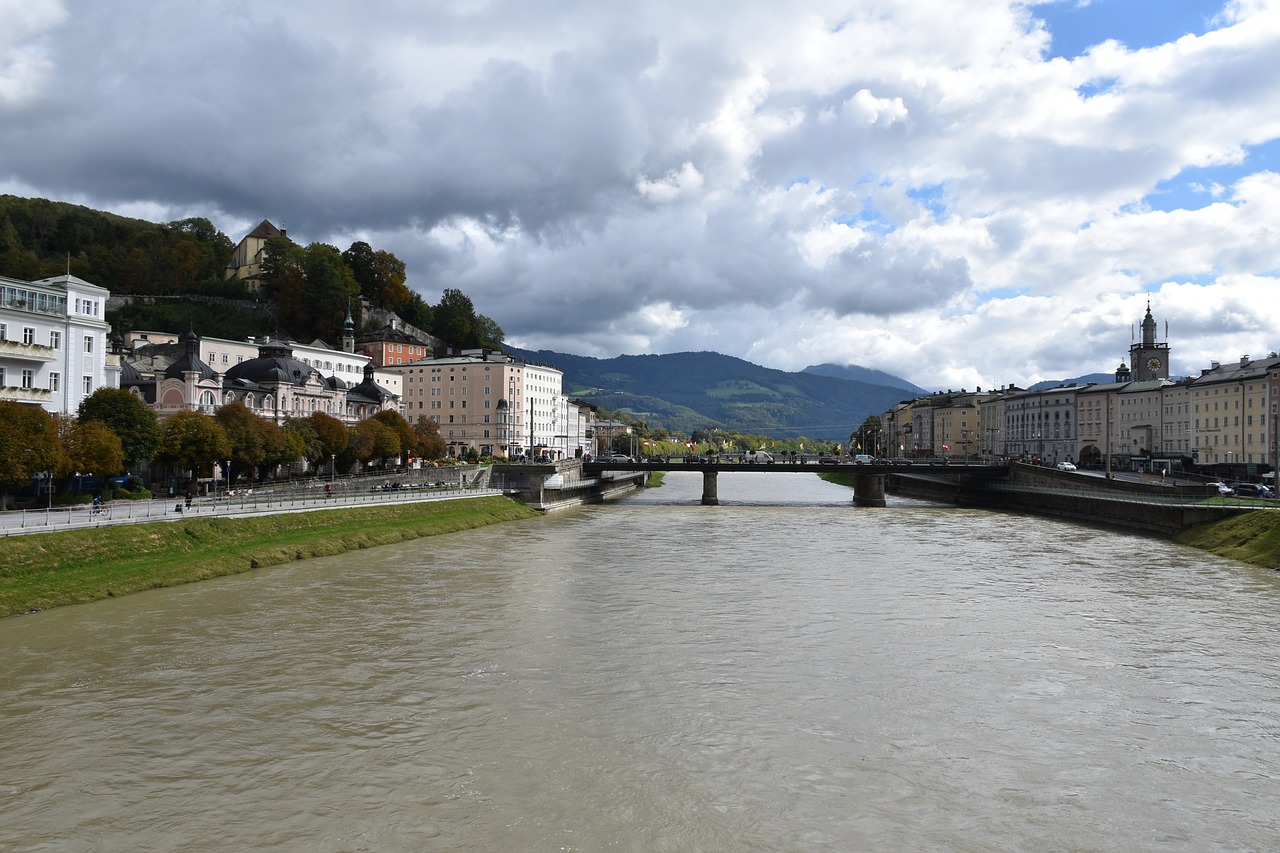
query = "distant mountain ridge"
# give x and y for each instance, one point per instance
(858, 373)
(1098, 378)
(693, 390)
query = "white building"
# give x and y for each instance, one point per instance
(54, 342)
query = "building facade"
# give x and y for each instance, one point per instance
(497, 405)
(54, 342)
(1231, 417)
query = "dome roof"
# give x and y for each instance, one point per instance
(130, 375)
(275, 365)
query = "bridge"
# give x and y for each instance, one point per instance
(868, 478)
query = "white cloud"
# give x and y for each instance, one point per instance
(913, 187)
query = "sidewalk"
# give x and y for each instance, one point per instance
(28, 521)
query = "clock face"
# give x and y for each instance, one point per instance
(1153, 364)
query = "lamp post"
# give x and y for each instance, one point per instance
(333, 467)
(228, 479)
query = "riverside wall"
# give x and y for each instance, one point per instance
(563, 484)
(1164, 508)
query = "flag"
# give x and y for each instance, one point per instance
(946, 447)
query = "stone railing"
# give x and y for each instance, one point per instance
(33, 352)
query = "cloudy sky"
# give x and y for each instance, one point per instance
(960, 192)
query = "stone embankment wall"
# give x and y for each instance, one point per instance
(562, 484)
(1158, 507)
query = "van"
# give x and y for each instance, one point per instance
(759, 457)
(862, 459)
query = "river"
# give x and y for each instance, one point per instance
(784, 672)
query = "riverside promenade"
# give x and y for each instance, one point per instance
(312, 497)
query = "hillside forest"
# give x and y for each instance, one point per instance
(306, 290)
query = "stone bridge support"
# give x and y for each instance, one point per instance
(868, 490)
(709, 495)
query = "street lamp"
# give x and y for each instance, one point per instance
(228, 479)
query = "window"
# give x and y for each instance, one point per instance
(55, 381)
(55, 340)
(88, 385)
(28, 378)
(28, 335)
(4, 331)
(88, 343)
(2, 382)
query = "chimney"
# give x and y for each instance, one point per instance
(1214, 365)
(1244, 360)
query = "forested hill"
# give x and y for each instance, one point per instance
(692, 390)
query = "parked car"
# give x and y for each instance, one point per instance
(1223, 488)
(1066, 466)
(827, 459)
(1248, 490)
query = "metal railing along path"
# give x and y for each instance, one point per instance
(46, 520)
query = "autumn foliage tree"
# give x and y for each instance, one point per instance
(29, 445)
(91, 447)
(128, 417)
(192, 441)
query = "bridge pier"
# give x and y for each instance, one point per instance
(709, 494)
(868, 490)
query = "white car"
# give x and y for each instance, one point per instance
(1066, 466)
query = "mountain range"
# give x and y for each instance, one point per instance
(695, 390)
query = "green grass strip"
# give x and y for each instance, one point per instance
(1250, 537)
(40, 571)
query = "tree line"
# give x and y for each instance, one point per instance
(313, 286)
(114, 432)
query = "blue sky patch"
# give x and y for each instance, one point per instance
(1075, 26)
(932, 197)
(1194, 188)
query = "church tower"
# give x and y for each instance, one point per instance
(1149, 359)
(349, 333)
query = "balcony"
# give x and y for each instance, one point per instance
(27, 352)
(12, 394)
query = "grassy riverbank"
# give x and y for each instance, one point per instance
(1251, 537)
(72, 567)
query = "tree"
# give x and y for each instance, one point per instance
(374, 440)
(406, 438)
(91, 447)
(419, 312)
(247, 434)
(281, 447)
(455, 320)
(307, 440)
(866, 438)
(285, 280)
(428, 442)
(331, 292)
(28, 445)
(331, 432)
(128, 417)
(489, 332)
(192, 441)
(380, 275)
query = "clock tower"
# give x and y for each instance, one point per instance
(1150, 360)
